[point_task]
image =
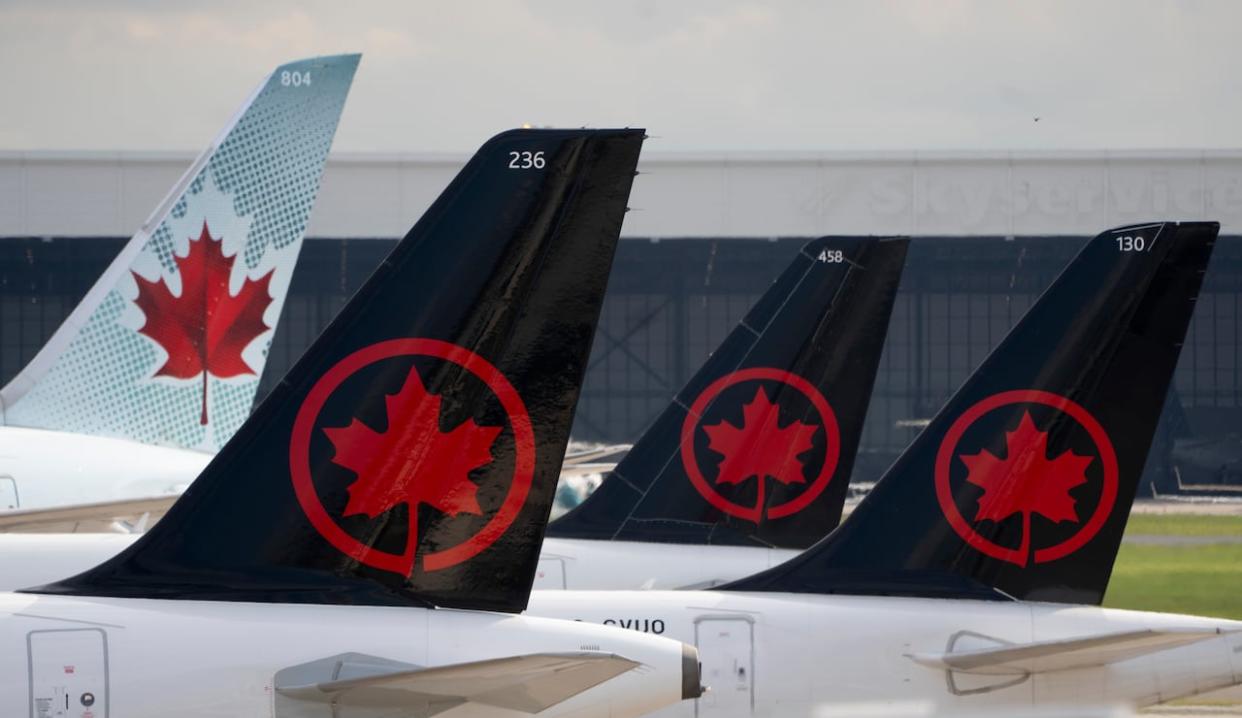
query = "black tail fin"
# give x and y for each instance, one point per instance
(758, 448)
(1022, 484)
(412, 454)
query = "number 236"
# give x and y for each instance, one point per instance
(526, 160)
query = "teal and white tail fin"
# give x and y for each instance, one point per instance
(168, 345)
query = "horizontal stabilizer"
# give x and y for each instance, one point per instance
(528, 684)
(1064, 654)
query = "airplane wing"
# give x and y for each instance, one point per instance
(124, 516)
(1065, 654)
(528, 684)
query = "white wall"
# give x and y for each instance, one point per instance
(60, 194)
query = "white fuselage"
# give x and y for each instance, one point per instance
(157, 658)
(42, 469)
(36, 559)
(582, 565)
(845, 650)
(804, 656)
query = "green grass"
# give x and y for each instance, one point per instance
(1203, 580)
(1184, 525)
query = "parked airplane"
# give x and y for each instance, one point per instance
(970, 578)
(159, 363)
(792, 379)
(407, 461)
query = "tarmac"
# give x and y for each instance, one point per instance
(1212, 506)
(1194, 711)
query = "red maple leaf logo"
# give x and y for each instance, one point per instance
(205, 328)
(760, 447)
(1026, 481)
(413, 462)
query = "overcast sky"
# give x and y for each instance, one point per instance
(701, 75)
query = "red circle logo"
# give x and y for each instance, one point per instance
(403, 563)
(1027, 480)
(761, 447)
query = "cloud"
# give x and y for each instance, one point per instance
(701, 74)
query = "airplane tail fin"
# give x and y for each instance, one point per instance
(412, 454)
(169, 344)
(758, 448)
(1021, 485)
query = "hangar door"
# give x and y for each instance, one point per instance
(726, 649)
(8, 493)
(550, 574)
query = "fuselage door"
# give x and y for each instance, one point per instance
(551, 574)
(8, 493)
(726, 649)
(68, 673)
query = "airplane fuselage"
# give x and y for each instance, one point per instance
(797, 655)
(36, 559)
(138, 658)
(584, 565)
(43, 469)
(850, 651)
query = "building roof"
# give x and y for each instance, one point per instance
(745, 194)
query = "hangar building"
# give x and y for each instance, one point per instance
(708, 233)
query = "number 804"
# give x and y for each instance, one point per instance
(293, 78)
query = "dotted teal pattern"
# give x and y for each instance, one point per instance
(256, 190)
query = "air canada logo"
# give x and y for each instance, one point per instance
(767, 439)
(204, 327)
(1026, 476)
(410, 452)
